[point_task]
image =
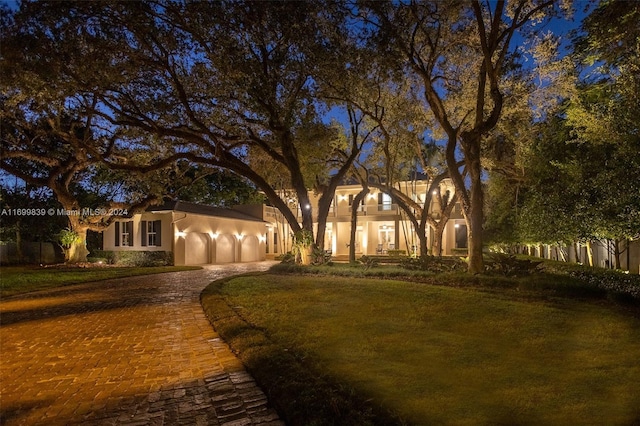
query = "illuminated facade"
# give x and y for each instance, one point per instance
(382, 226)
(195, 234)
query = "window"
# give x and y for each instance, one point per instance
(461, 236)
(124, 234)
(384, 201)
(151, 231)
(350, 200)
(386, 239)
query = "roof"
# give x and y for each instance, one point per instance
(185, 207)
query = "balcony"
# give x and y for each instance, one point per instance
(368, 210)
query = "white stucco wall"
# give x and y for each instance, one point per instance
(193, 237)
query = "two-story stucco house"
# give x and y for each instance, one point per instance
(382, 225)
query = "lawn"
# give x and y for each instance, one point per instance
(19, 279)
(338, 350)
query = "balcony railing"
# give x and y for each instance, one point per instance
(368, 210)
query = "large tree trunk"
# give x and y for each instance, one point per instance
(437, 238)
(77, 252)
(357, 200)
(589, 253)
(475, 216)
(422, 237)
(324, 205)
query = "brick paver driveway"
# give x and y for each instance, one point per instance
(128, 351)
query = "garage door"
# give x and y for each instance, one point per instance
(196, 249)
(250, 249)
(225, 249)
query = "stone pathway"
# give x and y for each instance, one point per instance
(132, 351)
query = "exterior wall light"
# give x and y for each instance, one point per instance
(181, 234)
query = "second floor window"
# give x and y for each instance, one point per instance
(384, 201)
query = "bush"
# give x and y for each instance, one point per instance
(108, 256)
(135, 258)
(393, 253)
(287, 257)
(320, 257)
(103, 260)
(434, 264)
(368, 261)
(510, 266)
(616, 285)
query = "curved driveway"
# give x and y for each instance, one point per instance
(134, 351)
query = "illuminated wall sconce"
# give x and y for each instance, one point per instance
(262, 238)
(213, 235)
(435, 192)
(372, 196)
(239, 236)
(181, 234)
(342, 198)
(457, 225)
(307, 207)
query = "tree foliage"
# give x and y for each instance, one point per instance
(460, 53)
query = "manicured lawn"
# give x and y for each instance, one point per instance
(16, 280)
(429, 354)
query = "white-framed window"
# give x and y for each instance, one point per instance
(124, 233)
(151, 233)
(384, 202)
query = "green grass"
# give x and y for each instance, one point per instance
(345, 350)
(19, 279)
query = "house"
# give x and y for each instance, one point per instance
(382, 225)
(197, 234)
(194, 234)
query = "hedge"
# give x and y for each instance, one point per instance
(133, 258)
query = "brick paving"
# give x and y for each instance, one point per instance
(131, 351)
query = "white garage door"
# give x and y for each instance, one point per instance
(250, 248)
(196, 249)
(225, 249)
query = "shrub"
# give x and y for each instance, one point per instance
(135, 258)
(368, 261)
(103, 260)
(510, 266)
(287, 257)
(617, 285)
(320, 257)
(397, 252)
(434, 264)
(107, 255)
